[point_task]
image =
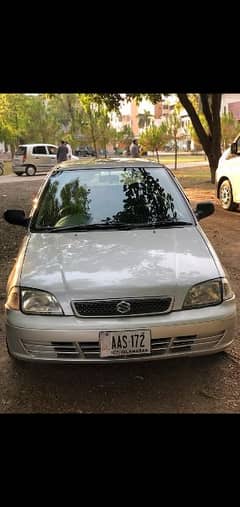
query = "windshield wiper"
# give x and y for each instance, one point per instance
(89, 227)
(171, 223)
(114, 225)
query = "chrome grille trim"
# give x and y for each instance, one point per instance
(101, 308)
(52, 349)
(167, 346)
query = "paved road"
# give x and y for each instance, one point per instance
(13, 178)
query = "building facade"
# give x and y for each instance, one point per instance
(231, 104)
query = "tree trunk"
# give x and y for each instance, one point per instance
(211, 142)
(213, 158)
(12, 148)
(157, 155)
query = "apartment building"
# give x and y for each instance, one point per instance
(131, 113)
(231, 104)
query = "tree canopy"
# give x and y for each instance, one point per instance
(85, 117)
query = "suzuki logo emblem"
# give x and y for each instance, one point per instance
(123, 307)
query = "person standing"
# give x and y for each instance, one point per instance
(62, 152)
(134, 148)
(69, 154)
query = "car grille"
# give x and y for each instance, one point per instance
(123, 307)
(91, 350)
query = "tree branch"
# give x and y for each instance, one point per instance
(202, 134)
(206, 110)
(216, 104)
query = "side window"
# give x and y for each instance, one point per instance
(39, 150)
(52, 150)
(21, 150)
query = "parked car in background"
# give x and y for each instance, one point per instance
(228, 177)
(32, 158)
(85, 151)
(115, 268)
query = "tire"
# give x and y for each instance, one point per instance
(226, 197)
(30, 170)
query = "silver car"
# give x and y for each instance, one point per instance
(32, 158)
(115, 268)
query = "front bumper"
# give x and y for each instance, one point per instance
(68, 339)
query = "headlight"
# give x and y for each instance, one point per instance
(12, 302)
(39, 302)
(208, 293)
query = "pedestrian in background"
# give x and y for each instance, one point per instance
(62, 152)
(134, 148)
(69, 154)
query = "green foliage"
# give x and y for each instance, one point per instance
(230, 129)
(96, 128)
(125, 136)
(154, 138)
(173, 125)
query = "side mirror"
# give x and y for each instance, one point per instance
(204, 209)
(234, 148)
(16, 217)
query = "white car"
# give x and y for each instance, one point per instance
(115, 267)
(228, 177)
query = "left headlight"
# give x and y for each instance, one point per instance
(39, 302)
(209, 293)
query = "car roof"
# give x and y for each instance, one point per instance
(106, 163)
(38, 144)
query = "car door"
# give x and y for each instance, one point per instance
(40, 157)
(52, 155)
(232, 171)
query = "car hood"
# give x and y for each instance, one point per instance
(118, 264)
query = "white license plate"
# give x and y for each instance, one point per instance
(124, 343)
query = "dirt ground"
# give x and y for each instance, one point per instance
(207, 384)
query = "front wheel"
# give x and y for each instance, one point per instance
(30, 170)
(226, 197)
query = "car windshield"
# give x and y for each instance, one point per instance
(110, 197)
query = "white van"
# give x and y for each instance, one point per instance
(228, 176)
(32, 158)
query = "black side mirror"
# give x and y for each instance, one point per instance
(16, 217)
(204, 209)
(234, 148)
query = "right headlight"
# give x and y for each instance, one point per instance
(39, 302)
(209, 293)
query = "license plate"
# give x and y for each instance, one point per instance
(125, 343)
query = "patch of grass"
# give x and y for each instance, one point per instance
(198, 176)
(192, 176)
(169, 158)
